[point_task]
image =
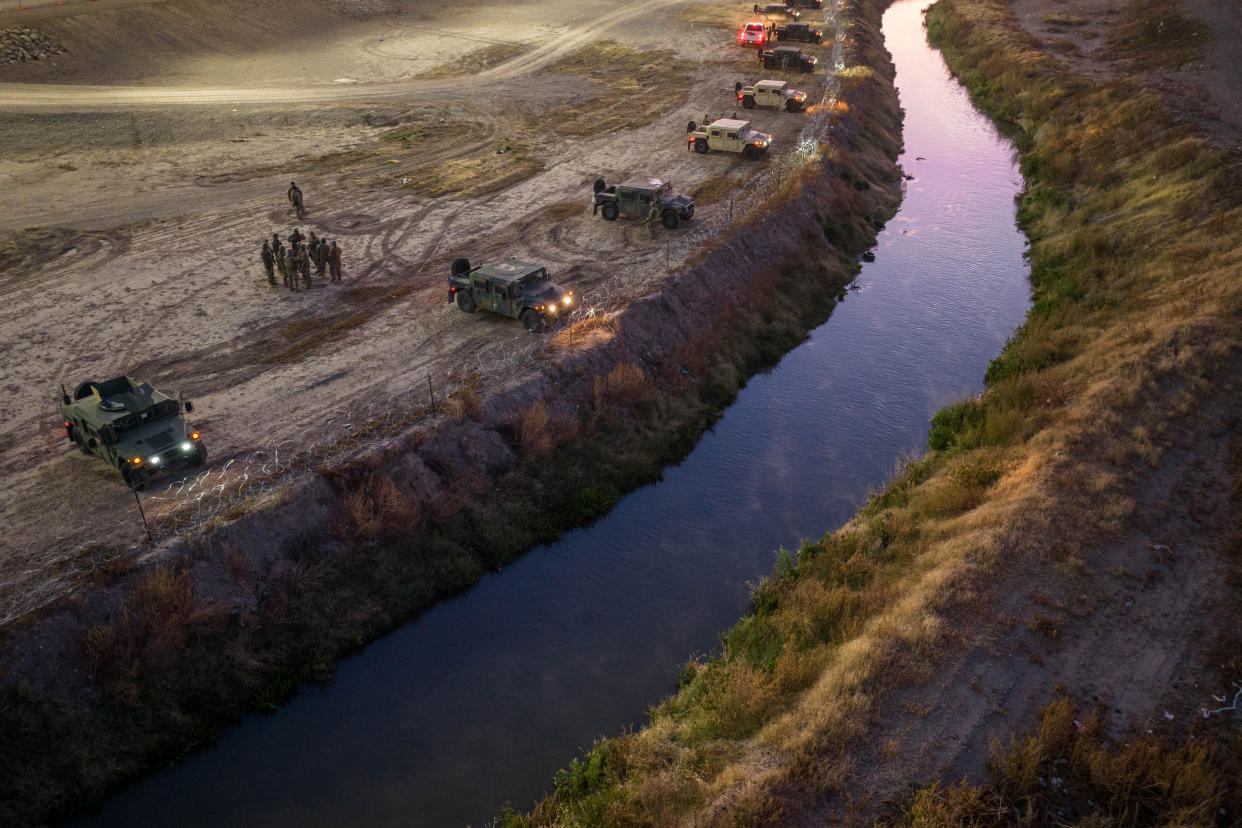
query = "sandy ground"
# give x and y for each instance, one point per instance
(142, 178)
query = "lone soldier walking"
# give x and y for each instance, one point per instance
(291, 265)
(295, 198)
(652, 215)
(268, 262)
(334, 261)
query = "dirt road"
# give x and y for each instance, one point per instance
(137, 212)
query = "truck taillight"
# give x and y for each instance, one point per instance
(194, 435)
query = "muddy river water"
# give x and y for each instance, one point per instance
(482, 698)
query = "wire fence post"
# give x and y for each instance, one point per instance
(431, 394)
(141, 513)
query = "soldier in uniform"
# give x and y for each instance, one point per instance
(291, 265)
(295, 238)
(295, 198)
(334, 261)
(304, 265)
(652, 215)
(268, 262)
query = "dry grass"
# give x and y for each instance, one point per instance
(1066, 773)
(535, 429)
(463, 403)
(625, 385)
(382, 507)
(478, 60)
(633, 89)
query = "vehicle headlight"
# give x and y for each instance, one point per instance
(569, 300)
(187, 446)
(154, 460)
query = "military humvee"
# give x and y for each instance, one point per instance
(787, 58)
(509, 287)
(771, 93)
(633, 198)
(798, 31)
(778, 8)
(132, 427)
(729, 135)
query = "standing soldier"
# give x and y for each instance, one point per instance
(304, 265)
(294, 238)
(334, 261)
(266, 255)
(282, 264)
(291, 265)
(320, 254)
(652, 215)
(277, 245)
(295, 198)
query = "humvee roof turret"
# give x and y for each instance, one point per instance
(510, 287)
(131, 427)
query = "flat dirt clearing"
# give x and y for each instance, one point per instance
(144, 169)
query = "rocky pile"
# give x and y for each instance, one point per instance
(22, 45)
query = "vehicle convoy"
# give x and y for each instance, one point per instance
(755, 33)
(782, 9)
(771, 93)
(131, 427)
(729, 135)
(798, 31)
(634, 198)
(511, 288)
(787, 58)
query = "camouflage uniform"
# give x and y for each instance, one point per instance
(295, 238)
(334, 262)
(652, 215)
(291, 267)
(304, 265)
(268, 262)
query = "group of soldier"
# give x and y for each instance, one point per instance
(293, 261)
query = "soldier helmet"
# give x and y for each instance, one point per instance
(334, 242)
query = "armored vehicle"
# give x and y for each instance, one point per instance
(509, 287)
(782, 9)
(131, 427)
(787, 58)
(634, 197)
(799, 31)
(729, 135)
(771, 93)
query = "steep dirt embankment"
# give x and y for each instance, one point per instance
(122, 678)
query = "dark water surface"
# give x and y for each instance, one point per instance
(482, 698)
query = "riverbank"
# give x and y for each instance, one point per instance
(1071, 531)
(231, 620)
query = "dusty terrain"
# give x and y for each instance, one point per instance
(145, 167)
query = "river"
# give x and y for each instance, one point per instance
(482, 698)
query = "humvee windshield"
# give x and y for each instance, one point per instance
(162, 409)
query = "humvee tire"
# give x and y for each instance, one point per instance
(750, 153)
(134, 480)
(531, 320)
(83, 391)
(610, 211)
(700, 147)
(792, 106)
(669, 220)
(748, 102)
(599, 185)
(459, 267)
(691, 127)
(780, 35)
(200, 456)
(465, 302)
